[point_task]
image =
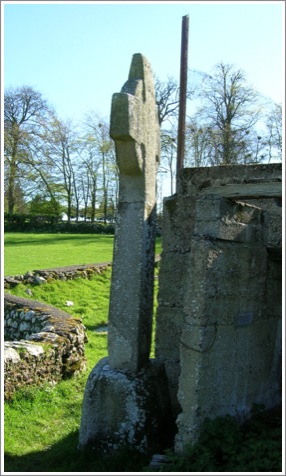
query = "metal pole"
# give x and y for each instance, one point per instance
(183, 93)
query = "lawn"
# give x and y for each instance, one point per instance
(29, 251)
(41, 426)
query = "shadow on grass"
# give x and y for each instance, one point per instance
(101, 328)
(223, 447)
(64, 456)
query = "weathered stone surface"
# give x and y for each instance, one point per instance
(126, 399)
(63, 273)
(121, 408)
(225, 279)
(253, 190)
(219, 321)
(45, 344)
(179, 218)
(10, 354)
(203, 179)
(225, 370)
(40, 280)
(225, 219)
(24, 346)
(135, 130)
(12, 282)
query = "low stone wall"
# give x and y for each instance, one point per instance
(42, 343)
(44, 346)
(64, 273)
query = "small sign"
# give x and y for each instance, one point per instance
(243, 319)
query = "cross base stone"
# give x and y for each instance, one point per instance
(123, 409)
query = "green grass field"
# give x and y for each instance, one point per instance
(41, 426)
(28, 251)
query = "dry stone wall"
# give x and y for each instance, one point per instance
(63, 273)
(42, 344)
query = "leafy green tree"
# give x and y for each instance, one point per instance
(20, 204)
(40, 205)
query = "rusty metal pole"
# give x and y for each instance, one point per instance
(183, 94)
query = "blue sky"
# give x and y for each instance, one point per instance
(78, 53)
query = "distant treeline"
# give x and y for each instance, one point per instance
(21, 222)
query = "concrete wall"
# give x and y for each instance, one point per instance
(219, 314)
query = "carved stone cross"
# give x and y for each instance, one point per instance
(135, 130)
(126, 398)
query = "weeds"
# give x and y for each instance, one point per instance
(225, 445)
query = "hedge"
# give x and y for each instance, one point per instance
(52, 224)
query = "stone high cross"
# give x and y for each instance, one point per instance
(135, 129)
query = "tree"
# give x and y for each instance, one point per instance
(20, 205)
(103, 149)
(167, 96)
(273, 139)
(169, 155)
(198, 144)
(60, 152)
(40, 205)
(24, 113)
(230, 110)
(89, 174)
(167, 99)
